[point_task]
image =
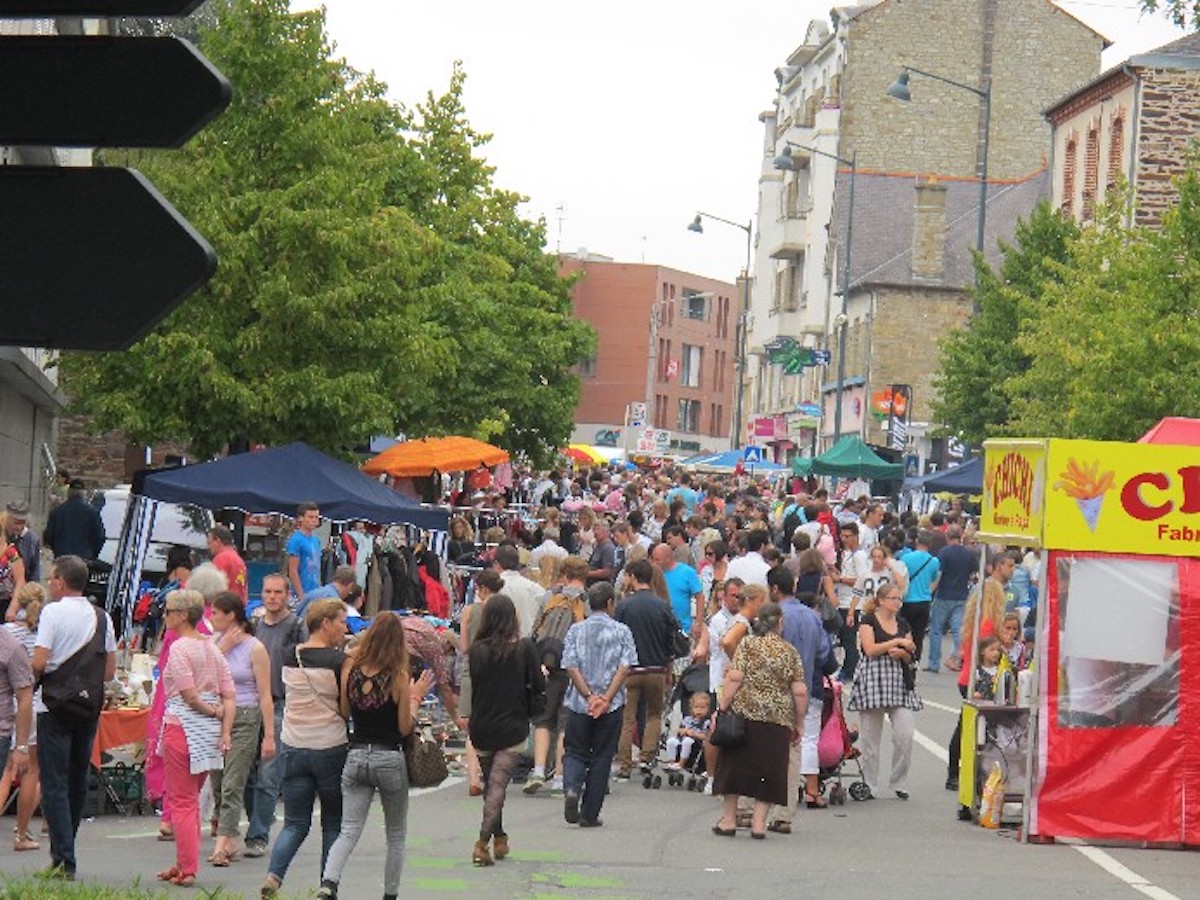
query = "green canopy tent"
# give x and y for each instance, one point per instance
(802, 465)
(851, 458)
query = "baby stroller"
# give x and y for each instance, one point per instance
(692, 680)
(835, 747)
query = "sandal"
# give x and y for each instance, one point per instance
(815, 802)
(166, 833)
(169, 874)
(221, 859)
(182, 880)
(270, 887)
(23, 842)
(780, 827)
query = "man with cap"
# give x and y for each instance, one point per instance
(28, 544)
(74, 528)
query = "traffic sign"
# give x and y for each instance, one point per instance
(94, 8)
(92, 258)
(752, 455)
(106, 91)
(821, 357)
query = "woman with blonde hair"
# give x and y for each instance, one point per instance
(29, 600)
(884, 685)
(988, 606)
(659, 513)
(201, 703)
(462, 539)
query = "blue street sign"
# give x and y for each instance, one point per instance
(752, 455)
(821, 357)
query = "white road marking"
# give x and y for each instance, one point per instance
(1117, 870)
(932, 746)
(1095, 854)
(941, 706)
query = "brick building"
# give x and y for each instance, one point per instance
(917, 162)
(666, 339)
(1134, 123)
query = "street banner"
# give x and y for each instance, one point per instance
(1014, 487)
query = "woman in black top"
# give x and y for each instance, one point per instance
(379, 698)
(506, 682)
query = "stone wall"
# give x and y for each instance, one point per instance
(105, 459)
(1169, 122)
(1039, 54)
(897, 343)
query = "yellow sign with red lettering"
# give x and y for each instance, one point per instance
(1014, 487)
(1123, 498)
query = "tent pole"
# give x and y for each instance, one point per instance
(1031, 756)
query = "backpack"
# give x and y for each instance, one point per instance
(551, 628)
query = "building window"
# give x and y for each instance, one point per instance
(1070, 162)
(1091, 172)
(690, 374)
(1116, 148)
(587, 368)
(689, 416)
(695, 305)
(660, 411)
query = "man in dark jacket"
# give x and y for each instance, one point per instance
(74, 527)
(653, 624)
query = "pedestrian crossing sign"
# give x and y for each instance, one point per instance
(752, 455)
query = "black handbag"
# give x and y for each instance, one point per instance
(730, 730)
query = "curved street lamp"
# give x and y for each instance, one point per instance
(697, 226)
(784, 161)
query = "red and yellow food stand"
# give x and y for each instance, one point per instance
(1117, 705)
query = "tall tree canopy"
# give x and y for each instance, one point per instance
(1084, 333)
(1184, 13)
(978, 360)
(371, 276)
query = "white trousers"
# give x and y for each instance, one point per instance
(870, 735)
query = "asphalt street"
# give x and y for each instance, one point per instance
(658, 844)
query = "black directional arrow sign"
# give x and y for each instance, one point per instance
(134, 8)
(91, 259)
(106, 92)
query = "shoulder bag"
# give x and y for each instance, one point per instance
(424, 759)
(74, 692)
(730, 730)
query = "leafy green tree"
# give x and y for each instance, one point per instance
(977, 361)
(371, 278)
(1182, 12)
(1116, 347)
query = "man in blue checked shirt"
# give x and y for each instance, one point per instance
(597, 654)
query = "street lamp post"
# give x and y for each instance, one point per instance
(785, 161)
(735, 436)
(899, 90)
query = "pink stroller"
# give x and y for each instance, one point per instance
(835, 747)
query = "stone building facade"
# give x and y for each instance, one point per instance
(108, 458)
(918, 164)
(1134, 125)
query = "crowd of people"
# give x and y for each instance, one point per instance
(621, 603)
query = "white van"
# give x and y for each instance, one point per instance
(185, 526)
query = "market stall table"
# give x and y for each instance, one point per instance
(122, 783)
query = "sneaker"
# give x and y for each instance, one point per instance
(952, 783)
(534, 784)
(255, 849)
(707, 789)
(555, 785)
(590, 823)
(621, 776)
(571, 809)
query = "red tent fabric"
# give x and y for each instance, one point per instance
(1174, 430)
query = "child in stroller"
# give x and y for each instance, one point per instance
(685, 748)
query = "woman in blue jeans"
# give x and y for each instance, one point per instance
(379, 697)
(313, 741)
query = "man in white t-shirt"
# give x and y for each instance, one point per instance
(525, 594)
(868, 531)
(751, 568)
(65, 627)
(855, 563)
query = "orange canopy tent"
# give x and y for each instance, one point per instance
(410, 459)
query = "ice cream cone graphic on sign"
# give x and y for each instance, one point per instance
(1087, 486)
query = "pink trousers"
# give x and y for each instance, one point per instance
(183, 793)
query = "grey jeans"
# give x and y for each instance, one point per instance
(370, 769)
(229, 784)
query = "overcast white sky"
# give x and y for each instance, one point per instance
(629, 116)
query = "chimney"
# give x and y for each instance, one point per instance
(929, 231)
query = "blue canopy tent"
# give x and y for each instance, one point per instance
(727, 462)
(964, 479)
(276, 480)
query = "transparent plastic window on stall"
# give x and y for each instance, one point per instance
(1119, 652)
